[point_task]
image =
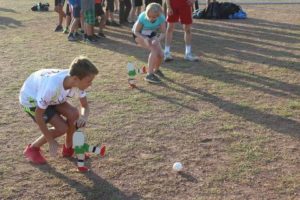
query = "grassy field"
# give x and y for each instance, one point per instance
(232, 119)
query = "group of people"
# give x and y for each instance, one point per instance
(45, 93)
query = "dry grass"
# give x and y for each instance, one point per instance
(231, 119)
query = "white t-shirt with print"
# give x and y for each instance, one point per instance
(45, 87)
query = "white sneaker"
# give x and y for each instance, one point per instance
(191, 57)
(167, 57)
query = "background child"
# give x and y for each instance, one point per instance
(144, 33)
(59, 4)
(44, 97)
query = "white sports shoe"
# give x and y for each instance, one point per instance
(191, 57)
(167, 57)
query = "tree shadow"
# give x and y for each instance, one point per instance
(101, 188)
(7, 22)
(270, 121)
(7, 10)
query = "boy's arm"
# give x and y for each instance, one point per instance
(84, 112)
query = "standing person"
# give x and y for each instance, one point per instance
(125, 7)
(110, 19)
(136, 8)
(68, 18)
(100, 13)
(44, 97)
(145, 34)
(88, 12)
(179, 10)
(59, 4)
(76, 13)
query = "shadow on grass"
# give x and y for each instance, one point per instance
(270, 121)
(101, 188)
(7, 10)
(7, 22)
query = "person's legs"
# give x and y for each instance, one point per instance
(187, 34)
(168, 41)
(71, 114)
(59, 4)
(60, 128)
(152, 59)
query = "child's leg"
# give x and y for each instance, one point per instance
(60, 128)
(71, 113)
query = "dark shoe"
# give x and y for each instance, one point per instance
(101, 35)
(72, 38)
(90, 39)
(151, 78)
(59, 28)
(113, 23)
(159, 73)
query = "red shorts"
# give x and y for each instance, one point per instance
(182, 13)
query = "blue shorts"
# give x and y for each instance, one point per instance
(76, 11)
(49, 113)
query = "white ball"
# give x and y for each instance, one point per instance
(177, 166)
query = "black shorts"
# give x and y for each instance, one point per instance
(68, 13)
(137, 3)
(49, 113)
(153, 34)
(59, 2)
(98, 10)
(110, 5)
(152, 1)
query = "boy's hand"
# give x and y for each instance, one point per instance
(53, 148)
(81, 122)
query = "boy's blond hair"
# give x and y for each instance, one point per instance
(81, 67)
(154, 7)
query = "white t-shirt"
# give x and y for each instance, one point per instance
(45, 87)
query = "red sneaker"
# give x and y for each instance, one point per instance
(67, 152)
(102, 150)
(33, 154)
(83, 169)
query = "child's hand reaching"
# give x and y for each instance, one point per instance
(53, 148)
(155, 41)
(81, 122)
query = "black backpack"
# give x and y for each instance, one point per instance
(227, 9)
(212, 11)
(218, 10)
(40, 7)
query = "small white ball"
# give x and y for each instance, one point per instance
(177, 166)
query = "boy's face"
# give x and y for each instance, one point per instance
(86, 82)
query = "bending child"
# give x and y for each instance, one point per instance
(145, 35)
(44, 96)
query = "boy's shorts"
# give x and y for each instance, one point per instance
(49, 113)
(182, 14)
(59, 2)
(99, 10)
(89, 17)
(76, 11)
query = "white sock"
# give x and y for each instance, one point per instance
(167, 49)
(188, 49)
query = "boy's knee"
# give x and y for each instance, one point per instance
(74, 115)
